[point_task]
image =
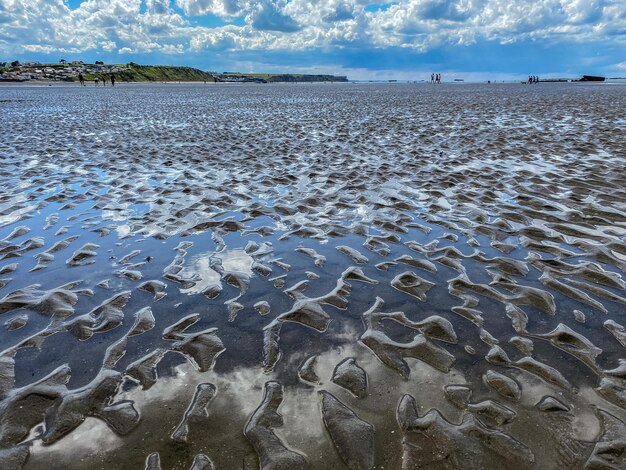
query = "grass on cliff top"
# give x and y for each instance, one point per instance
(264, 76)
(161, 73)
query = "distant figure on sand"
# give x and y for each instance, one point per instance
(104, 80)
(432, 78)
(112, 80)
(96, 80)
(81, 79)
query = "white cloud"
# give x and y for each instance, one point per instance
(582, 11)
(176, 26)
(108, 46)
(221, 8)
(268, 15)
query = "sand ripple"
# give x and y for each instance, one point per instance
(323, 276)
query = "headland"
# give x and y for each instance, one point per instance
(64, 71)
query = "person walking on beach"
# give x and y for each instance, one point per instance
(432, 78)
(104, 80)
(96, 80)
(112, 80)
(81, 79)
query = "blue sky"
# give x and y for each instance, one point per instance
(405, 39)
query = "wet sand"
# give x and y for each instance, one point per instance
(321, 276)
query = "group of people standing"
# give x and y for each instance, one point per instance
(435, 78)
(96, 79)
(533, 79)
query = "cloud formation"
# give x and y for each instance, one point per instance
(184, 27)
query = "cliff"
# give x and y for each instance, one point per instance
(162, 73)
(277, 77)
(133, 72)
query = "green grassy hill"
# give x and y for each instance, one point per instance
(161, 73)
(133, 72)
(279, 77)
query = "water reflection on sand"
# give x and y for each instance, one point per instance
(324, 276)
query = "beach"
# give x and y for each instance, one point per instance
(326, 275)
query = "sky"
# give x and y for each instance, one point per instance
(405, 40)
